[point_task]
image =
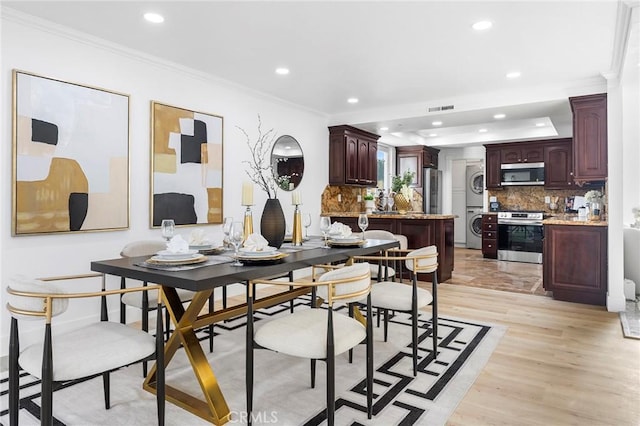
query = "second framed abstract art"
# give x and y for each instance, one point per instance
(186, 166)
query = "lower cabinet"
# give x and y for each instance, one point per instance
(419, 233)
(575, 263)
(490, 236)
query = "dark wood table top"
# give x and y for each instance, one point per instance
(222, 274)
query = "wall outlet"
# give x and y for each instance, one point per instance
(493, 199)
(547, 199)
(359, 199)
(339, 198)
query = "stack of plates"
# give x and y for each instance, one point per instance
(266, 254)
(171, 258)
(348, 241)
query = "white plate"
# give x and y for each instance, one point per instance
(167, 255)
(264, 252)
(194, 258)
(347, 239)
(200, 247)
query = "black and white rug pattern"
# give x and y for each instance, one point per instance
(282, 394)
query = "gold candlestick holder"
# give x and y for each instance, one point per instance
(296, 235)
(248, 223)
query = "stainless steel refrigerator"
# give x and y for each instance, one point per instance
(431, 191)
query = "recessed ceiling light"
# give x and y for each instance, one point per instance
(282, 71)
(482, 25)
(384, 129)
(513, 74)
(352, 100)
(540, 124)
(499, 116)
(436, 123)
(156, 18)
(483, 130)
(433, 135)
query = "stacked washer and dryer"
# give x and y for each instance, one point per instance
(475, 198)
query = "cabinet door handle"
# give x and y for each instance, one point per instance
(489, 245)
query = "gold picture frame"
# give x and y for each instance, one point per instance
(70, 157)
(186, 166)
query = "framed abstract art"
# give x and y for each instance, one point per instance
(186, 166)
(70, 157)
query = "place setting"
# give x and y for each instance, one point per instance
(255, 251)
(341, 235)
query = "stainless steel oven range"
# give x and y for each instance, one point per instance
(520, 236)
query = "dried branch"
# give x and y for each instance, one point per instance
(260, 168)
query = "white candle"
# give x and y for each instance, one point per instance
(295, 198)
(247, 193)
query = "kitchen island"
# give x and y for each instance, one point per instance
(420, 229)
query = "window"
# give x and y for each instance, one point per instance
(384, 167)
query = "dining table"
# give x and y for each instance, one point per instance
(203, 279)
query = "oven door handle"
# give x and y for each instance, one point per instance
(519, 222)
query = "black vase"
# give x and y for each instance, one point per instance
(272, 223)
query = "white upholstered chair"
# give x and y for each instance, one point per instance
(317, 333)
(94, 349)
(395, 296)
(379, 268)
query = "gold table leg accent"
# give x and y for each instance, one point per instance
(214, 408)
(358, 316)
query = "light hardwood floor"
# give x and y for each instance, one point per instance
(559, 363)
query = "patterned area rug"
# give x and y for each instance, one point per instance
(282, 394)
(630, 320)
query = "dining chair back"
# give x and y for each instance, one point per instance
(91, 350)
(394, 296)
(317, 333)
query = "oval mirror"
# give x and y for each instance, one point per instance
(287, 162)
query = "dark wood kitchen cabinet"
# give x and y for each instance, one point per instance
(522, 152)
(416, 158)
(558, 162)
(575, 263)
(490, 236)
(589, 138)
(492, 167)
(352, 156)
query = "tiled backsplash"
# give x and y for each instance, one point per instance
(532, 197)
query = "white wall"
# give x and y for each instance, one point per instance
(40, 48)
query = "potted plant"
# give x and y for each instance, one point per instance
(398, 181)
(403, 193)
(369, 204)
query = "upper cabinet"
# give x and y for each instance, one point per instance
(415, 158)
(558, 162)
(589, 138)
(492, 167)
(555, 154)
(522, 153)
(352, 156)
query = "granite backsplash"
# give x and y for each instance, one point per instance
(532, 197)
(348, 200)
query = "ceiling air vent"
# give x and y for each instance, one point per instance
(440, 108)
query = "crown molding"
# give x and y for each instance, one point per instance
(621, 40)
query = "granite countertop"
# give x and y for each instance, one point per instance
(558, 220)
(394, 216)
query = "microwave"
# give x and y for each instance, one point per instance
(522, 174)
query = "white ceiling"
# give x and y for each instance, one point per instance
(398, 58)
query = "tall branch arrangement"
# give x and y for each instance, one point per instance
(260, 168)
